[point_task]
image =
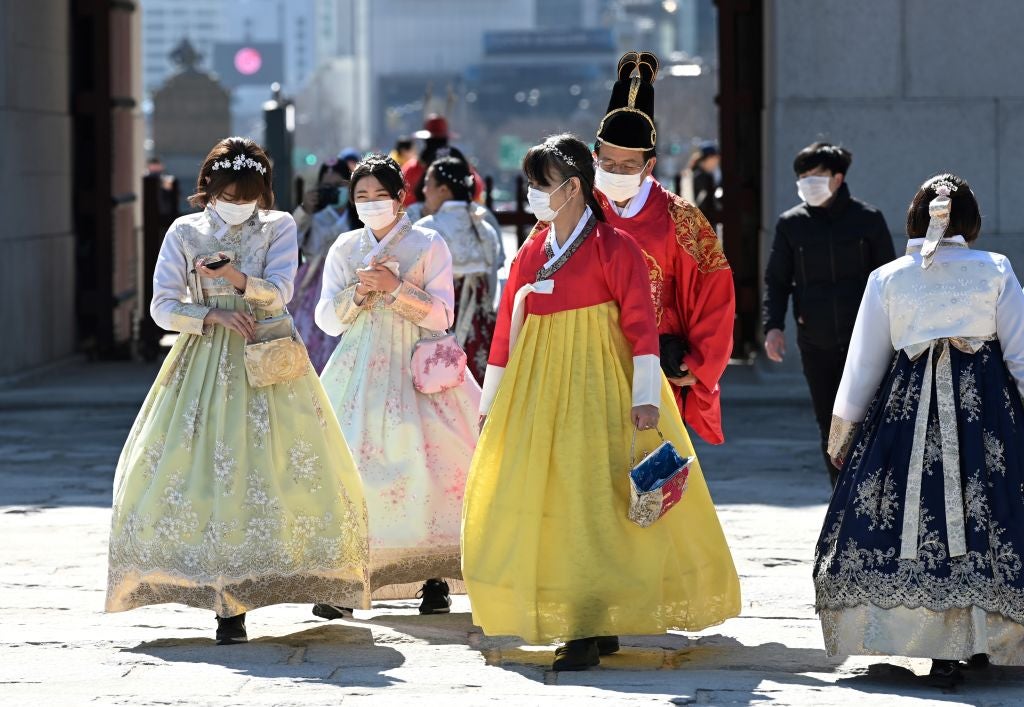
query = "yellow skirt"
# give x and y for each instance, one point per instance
(548, 552)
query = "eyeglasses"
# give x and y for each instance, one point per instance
(621, 167)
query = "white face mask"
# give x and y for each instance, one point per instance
(814, 190)
(234, 214)
(376, 214)
(619, 187)
(540, 202)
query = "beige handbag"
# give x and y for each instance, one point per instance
(276, 354)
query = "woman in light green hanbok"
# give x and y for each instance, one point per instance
(229, 497)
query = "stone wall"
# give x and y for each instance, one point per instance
(37, 270)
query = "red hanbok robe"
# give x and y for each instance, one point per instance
(693, 295)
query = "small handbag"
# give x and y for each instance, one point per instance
(276, 354)
(657, 483)
(438, 363)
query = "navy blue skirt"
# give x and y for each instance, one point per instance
(857, 558)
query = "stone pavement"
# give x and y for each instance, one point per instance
(60, 434)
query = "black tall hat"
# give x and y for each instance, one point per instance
(629, 120)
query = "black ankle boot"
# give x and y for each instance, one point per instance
(331, 611)
(579, 654)
(606, 645)
(231, 630)
(436, 599)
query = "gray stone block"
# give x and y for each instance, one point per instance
(964, 49)
(835, 48)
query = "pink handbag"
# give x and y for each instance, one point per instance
(438, 363)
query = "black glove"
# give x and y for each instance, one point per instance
(673, 349)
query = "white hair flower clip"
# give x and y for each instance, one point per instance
(238, 163)
(944, 187)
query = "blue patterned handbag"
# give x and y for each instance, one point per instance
(657, 483)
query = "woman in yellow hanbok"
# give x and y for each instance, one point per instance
(548, 551)
(229, 497)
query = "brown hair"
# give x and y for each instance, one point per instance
(249, 184)
(964, 214)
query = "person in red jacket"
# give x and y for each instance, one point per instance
(690, 279)
(435, 134)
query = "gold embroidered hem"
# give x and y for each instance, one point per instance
(229, 596)
(954, 634)
(841, 436)
(188, 318)
(400, 573)
(260, 293)
(412, 303)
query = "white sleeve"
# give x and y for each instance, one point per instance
(492, 380)
(337, 308)
(171, 307)
(275, 289)
(1010, 326)
(869, 356)
(433, 306)
(647, 379)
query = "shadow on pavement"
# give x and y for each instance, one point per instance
(339, 654)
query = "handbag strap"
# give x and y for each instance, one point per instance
(632, 447)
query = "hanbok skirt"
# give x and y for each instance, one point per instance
(309, 281)
(228, 497)
(927, 601)
(548, 551)
(475, 319)
(413, 452)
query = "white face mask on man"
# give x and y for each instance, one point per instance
(619, 187)
(376, 214)
(234, 214)
(540, 202)
(814, 190)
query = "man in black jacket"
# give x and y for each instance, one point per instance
(823, 252)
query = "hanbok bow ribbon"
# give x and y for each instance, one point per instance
(938, 222)
(543, 287)
(949, 441)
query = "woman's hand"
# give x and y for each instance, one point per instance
(229, 272)
(645, 417)
(378, 278)
(240, 322)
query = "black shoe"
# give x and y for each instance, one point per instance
(606, 645)
(579, 654)
(978, 661)
(231, 630)
(945, 674)
(330, 611)
(435, 597)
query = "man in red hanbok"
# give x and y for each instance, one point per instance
(690, 279)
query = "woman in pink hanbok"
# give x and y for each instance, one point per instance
(387, 286)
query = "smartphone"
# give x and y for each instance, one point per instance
(217, 264)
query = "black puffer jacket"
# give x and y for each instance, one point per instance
(823, 256)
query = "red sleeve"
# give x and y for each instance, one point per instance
(628, 280)
(706, 302)
(412, 171)
(499, 352)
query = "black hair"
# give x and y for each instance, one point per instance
(433, 152)
(456, 175)
(384, 169)
(648, 154)
(823, 154)
(549, 158)
(339, 167)
(964, 214)
(404, 143)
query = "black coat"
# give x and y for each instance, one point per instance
(823, 256)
